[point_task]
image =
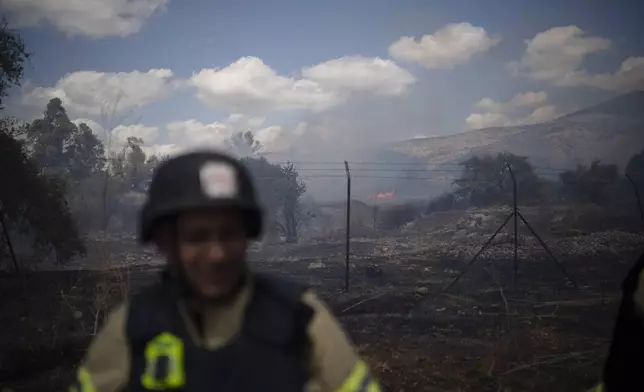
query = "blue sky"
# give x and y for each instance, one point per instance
(190, 35)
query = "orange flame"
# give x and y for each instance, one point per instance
(384, 195)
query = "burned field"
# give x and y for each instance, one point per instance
(484, 333)
(487, 333)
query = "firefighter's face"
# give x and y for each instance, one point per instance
(212, 249)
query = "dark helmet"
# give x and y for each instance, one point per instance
(196, 180)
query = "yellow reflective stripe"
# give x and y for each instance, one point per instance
(83, 382)
(360, 380)
(373, 386)
(166, 346)
(598, 388)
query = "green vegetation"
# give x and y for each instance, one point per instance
(61, 184)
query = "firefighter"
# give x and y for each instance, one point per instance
(211, 324)
(623, 367)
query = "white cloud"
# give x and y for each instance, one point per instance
(541, 114)
(242, 120)
(357, 73)
(250, 86)
(194, 134)
(235, 117)
(485, 120)
(557, 56)
(90, 18)
(453, 45)
(629, 76)
(91, 93)
(527, 99)
(160, 150)
(191, 134)
(255, 122)
(120, 134)
(94, 126)
(499, 114)
(277, 139)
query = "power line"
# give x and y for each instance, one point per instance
(427, 167)
(429, 170)
(411, 178)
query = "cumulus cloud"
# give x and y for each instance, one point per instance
(90, 18)
(557, 56)
(255, 122)
(242, 120)
(235, 117)
(194, 134)
(277, 139)
(499, 114)
(361, 74)
(486, 120)
(250, 86)
(95, 126)
(629, 76)
(181, 136)
(453, 45)
(530, 98)
(120, 134)
(116, 138)
(91, 93)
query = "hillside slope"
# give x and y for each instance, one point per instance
(612, 131)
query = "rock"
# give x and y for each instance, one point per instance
(421, 290)
(316, 265)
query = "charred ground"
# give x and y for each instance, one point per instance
(484, 334)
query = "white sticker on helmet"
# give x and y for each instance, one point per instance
(219, 180)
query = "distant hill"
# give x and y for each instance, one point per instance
(611, 131)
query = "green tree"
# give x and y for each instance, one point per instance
(35, 204)
(635, 168)
(63, 149)
(485, 180)
(279, 187)
(12, 59)
(591, 184)
(291, 188)
(243, 144)
(130, 165)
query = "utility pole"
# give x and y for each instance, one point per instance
(516, 214)
(5, 231)
(636, 189)
(348, 229)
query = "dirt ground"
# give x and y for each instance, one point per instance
(485, 334)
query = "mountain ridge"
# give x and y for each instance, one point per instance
(611, 131)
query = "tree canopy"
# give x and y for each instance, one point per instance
(35, 204)
(486, 179)
(12, 59)
(279, 187)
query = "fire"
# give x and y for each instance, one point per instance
(384, 195)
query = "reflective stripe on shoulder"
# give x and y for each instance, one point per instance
(597, 388)
(360, 380)
(83, 382)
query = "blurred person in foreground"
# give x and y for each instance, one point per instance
(625, 362)
(211, 324)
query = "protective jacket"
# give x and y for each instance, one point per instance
(623, 367)
(269, 352)
(273, 336)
